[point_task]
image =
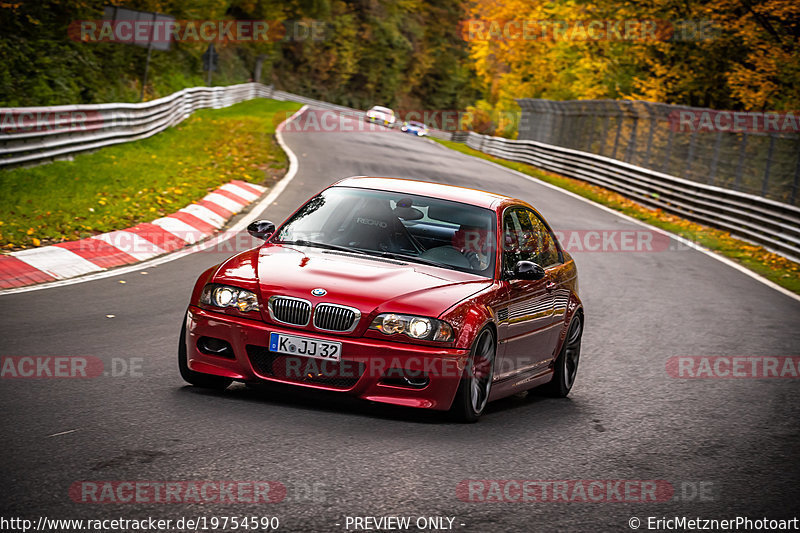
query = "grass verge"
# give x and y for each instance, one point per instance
(770, 265)
(121, 186)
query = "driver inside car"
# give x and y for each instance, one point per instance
(473, 242)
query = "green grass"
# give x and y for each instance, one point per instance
(772, 266)
(123, 185)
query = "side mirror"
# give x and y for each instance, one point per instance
(527, 270)
(261, 229)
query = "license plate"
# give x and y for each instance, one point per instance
(305, 346)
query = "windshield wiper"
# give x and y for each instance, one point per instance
(376, 253)
(303, 242)
(414, 258)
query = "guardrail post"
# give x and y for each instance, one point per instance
(796, 182)
(592, 117)
(715, 158)
(619, 130)
(737, 184)
(558, 132)
(668, 151)
(650, 132)
(604, 135)
(689, 156)
(631, 151)
(768, 164)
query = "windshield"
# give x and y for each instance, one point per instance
(383, 110)
(404, 226)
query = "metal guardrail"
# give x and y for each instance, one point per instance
(733, 150)
(61, 131)
(35, 135)
(283, 95)
(767, 222)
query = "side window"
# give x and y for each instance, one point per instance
(545, 249)
(517, 238)
(526, 238)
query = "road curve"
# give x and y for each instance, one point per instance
(626, 419)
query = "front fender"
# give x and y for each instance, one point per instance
(201, 282)
(468, 319)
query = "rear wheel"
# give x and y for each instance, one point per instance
(566, 365)
(476, 382)
(207, 381)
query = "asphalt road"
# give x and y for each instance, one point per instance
(625, 419)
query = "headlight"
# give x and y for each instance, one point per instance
(225, 296)
(416, 327)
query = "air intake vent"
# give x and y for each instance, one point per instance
(289, 310)
(332, 317)
(334, 374)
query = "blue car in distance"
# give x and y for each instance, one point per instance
(415, 128)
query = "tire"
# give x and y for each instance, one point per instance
(476, 382)
(198, 379)
(566, 365)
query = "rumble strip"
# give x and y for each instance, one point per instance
(132, 245)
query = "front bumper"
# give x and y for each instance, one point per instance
(371, 369)
(376, 120)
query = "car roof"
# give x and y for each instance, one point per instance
(381, 108)
(424, 188)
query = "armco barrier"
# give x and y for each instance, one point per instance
(773, 224)
(34, 135)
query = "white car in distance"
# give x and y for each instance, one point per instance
(381, 115)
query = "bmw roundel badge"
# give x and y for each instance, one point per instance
(319, 292)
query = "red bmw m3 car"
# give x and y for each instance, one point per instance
(397, 291)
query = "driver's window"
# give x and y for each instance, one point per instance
(545, 249)
(517, 236)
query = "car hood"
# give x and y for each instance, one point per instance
(370, 284)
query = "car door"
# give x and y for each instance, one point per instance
(550, 257)
(528, 326)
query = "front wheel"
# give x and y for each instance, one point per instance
(476, 382)
(566, 365)
(198, 379)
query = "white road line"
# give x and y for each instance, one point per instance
(63, 433)
(205, 214)
(682, 240)
(255, 211)
(131, 243)
(56, 261)
(224, 202)
(180, 229)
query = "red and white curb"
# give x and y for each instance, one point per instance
(132, 245)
